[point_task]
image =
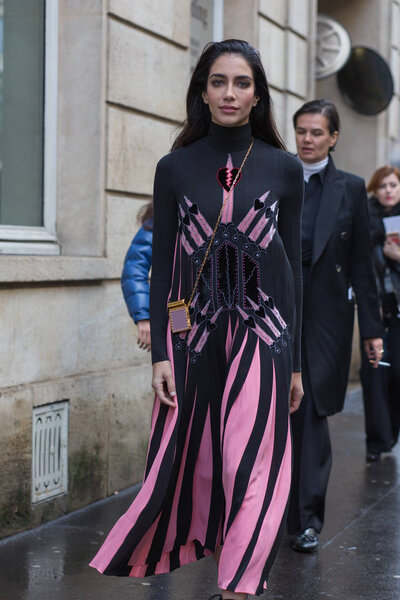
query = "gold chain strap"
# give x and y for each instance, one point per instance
(217, 223)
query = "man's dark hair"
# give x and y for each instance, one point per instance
(322, 107)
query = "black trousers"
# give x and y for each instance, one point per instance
(312, 461)
(381, 393)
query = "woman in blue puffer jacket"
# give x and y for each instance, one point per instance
(135, 276)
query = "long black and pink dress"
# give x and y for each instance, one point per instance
(219, 465)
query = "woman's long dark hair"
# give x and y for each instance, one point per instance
(198, 118)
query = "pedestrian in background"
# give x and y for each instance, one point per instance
(381, 387)
(337, 258)
(135, 276)
(218, 469)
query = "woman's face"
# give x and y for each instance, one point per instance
(230, 92)
(313, 138)
(388, 192)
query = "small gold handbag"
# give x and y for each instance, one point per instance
(178, 310)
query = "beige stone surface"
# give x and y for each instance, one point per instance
(66, 331)
(298, 16)
(275, 10)
(131, 82)
(395, 25)
(297, 67)
(395, 68)
(52, 268)
(79, 8)
(135, 144)
(278, 99)
(131, 400)
(169, 18)
(362, 19)
(122, 224)
(109, 424)
(273, 52)
(16, 453)
(357, 131)
(240, 20)
(292, 104)
(80, 184)
(393, 118)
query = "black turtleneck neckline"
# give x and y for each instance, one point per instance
(229, 138)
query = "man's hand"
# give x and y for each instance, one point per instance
(296, 392)
(143, 338)
(374, 349)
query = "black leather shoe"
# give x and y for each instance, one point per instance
(373, 456)
(306, 541)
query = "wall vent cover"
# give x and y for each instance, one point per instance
(49, 451)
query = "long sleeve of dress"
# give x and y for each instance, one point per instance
(164, 238)
(290, 232)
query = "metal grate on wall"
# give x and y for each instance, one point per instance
(49, 451)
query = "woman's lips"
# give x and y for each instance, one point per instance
(228, 109)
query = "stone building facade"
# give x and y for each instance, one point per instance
(75, 397)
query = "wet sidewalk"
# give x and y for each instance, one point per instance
(359, 558)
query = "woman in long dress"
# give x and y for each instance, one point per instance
(218, 469)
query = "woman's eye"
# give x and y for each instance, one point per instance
(243, 84)
(216, 82)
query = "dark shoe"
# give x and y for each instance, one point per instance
(373, 456)
(306, 541)
(216, 596)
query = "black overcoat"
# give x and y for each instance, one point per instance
(342, 259)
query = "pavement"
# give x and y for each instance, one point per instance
(359, 557)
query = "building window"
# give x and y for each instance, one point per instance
(28, 117)
(207, 25)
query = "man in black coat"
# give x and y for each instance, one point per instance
(337, 263)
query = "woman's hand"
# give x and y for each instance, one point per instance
(163, 383)
(391, 250)
(144, 339)
(296, 392)
(374, 349)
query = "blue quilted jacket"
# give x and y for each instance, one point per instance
(135, 274)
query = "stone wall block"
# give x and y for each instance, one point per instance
(395, 25)
(131, 400)
(80, 131)
(122, 225)
(240, 20)
(88, 440)
(74, 330)
(395, 68)
(106, 339)
(278, 99)
(80, 8)
(298, 16)
(41, 329)
(393, 118)
(171, 18)
(16, 456)
(292, 104)
(297, 65)
(134, 59)
(273, 51)
(275, 10)
(135, 145)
